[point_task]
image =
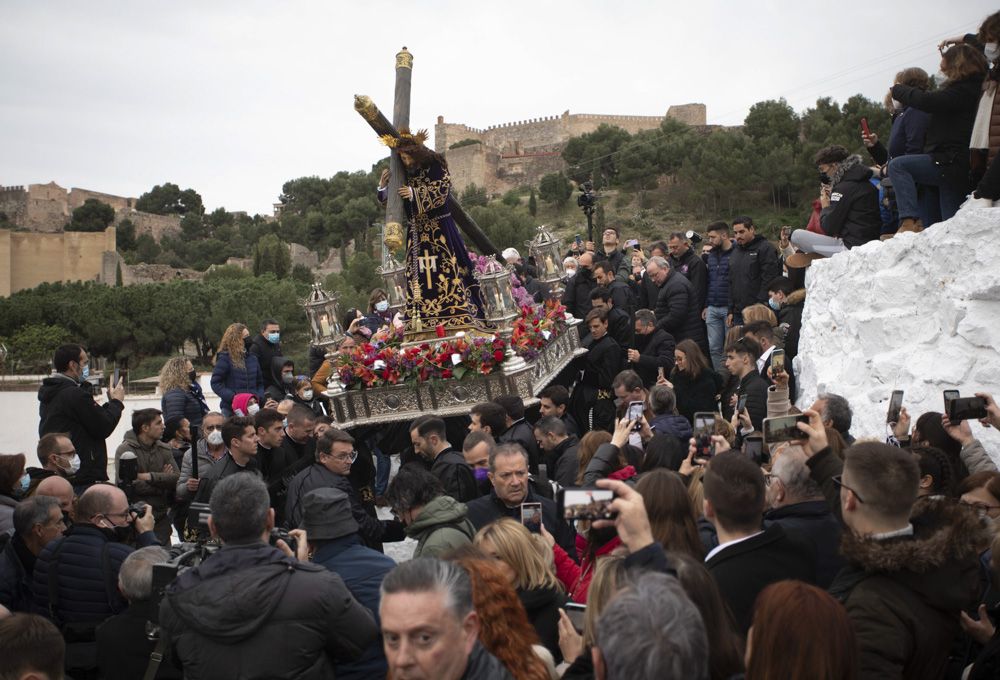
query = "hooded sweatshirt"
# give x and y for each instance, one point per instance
(250, 612)
(441, 527)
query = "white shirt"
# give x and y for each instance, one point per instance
(763, 359)
(723, 546)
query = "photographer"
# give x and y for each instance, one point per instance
(75, 577)
(253, 611)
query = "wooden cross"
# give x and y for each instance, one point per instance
(428, 263)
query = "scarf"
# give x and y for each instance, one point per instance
(198, 394)
(981, 130)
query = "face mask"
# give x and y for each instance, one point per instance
(192, 376)
(273, 338)
(287, 378)
(85, 373)
(214, 438)
(570, 272)
(382, 305)
(307, 395)
(824, 178)
(284, 423)
(25, 483)
(252, 409)
(897, 105)
(247, 343)
(123, 534)
(480, 474)
(66, 520)
(74, 464)
(992, 51)
(773, 304)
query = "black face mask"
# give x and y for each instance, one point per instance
(824, 178)
(247, 343)
(66, 520)
(192, 376)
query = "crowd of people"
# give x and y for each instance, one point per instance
(249, 542)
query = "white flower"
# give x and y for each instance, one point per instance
(546, 334)
(456, 359)
(378, 365)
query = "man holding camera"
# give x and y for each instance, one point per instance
(252, 610)
(75, 581)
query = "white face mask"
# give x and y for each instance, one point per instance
(214, 438)
(897, 105)
(570, 272)
(252, 409)
(307, 395)
(74, 464)
(992, 51)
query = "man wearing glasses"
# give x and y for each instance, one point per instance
(334, 456)
(75, 581)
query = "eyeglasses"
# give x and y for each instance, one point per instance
(839, 481)
(981, 509)
(768, 478)
(350, 457)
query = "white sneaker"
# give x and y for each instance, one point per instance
(972, 203)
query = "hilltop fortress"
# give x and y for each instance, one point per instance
(504, 157)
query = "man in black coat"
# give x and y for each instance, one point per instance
(560, 449)
(295, 454)
(747, 559)
(619, 291)
(652, 351)
(511, 487)
(619, 322)
(753, 264)
(234, 612)
(796, 502)
(66, 405)
(741, 361)
(788, 303)
(266, 345)
(427, 434)
(593, 400)
(576, 297)
(37, 521)
(684, 260)
(677, 310)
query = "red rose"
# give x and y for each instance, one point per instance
(439, 329)
(446, 373)
(498, 355)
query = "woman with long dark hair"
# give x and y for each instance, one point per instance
(695, 383)
(672, 518)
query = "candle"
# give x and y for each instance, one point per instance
(399, 293)
(324, 325)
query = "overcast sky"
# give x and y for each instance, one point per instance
(234, 98)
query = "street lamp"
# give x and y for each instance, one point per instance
(495, 290)
(324, 314)
(546, 249)
(393, 273)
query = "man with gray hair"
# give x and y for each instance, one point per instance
(796, 502)
(429, 627)
(836, 413)
(651, 631)
(252, 610)
(123, 648)
(677, 309)
(37, 520)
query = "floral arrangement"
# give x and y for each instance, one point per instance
(521, 297)
(535, 328)
(384, 362)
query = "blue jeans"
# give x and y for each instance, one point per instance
(906, 172)
(715, 321)
(383, 465)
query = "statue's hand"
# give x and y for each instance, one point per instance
(405, 192)
(384, 179)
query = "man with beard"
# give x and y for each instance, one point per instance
(653, 351)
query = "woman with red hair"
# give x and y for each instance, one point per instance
(13, 485)
(800, 631)
(504, 629)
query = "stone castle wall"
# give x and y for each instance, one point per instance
(520, 153)
(156, 226)
(28, 259)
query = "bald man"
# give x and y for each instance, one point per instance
(59, 487)
(89, 556)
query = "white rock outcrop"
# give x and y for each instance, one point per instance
(920, 313)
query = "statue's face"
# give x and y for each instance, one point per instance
(407, 159)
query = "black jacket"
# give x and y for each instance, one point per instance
(953, 114)
(755, 388)
(16, 567)
(86, 576)
(520, 432)
(248, 611)
(656, 351)
(220, 469)
(694, 270)
(620, 327)
(791, 314)
(576, 297)
(746, 568)
(64, 406)
(853, 214)
(677, 309)
(542, 606)
(751, 268)
(563, 462)
(488, 509)
(123, 648)
(812, 523)
(647, 293)
(265, 353)
(484, 666)
(455, 475)
(698, 394)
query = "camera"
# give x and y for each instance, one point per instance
(587, 198)
(138, 509)
(282, 534)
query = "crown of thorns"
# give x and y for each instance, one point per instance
(404, 136)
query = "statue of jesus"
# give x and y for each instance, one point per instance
(442, 290)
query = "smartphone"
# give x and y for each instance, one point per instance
(783, 429)
(966, 408)
(634, 412)
(864, 127)
(531, 517)
(741, 403)
(753, 447)
(778, 361)
(575, 503)
(576, 613)
(579, 241)
(118, 375)
(704, 428)
(634, 242)
(949, 396)
(895, 404)
(660, 373)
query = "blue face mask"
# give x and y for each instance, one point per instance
(273, 338)
(382, 305)
(25, 483)
(773, 304)
(85, 374)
